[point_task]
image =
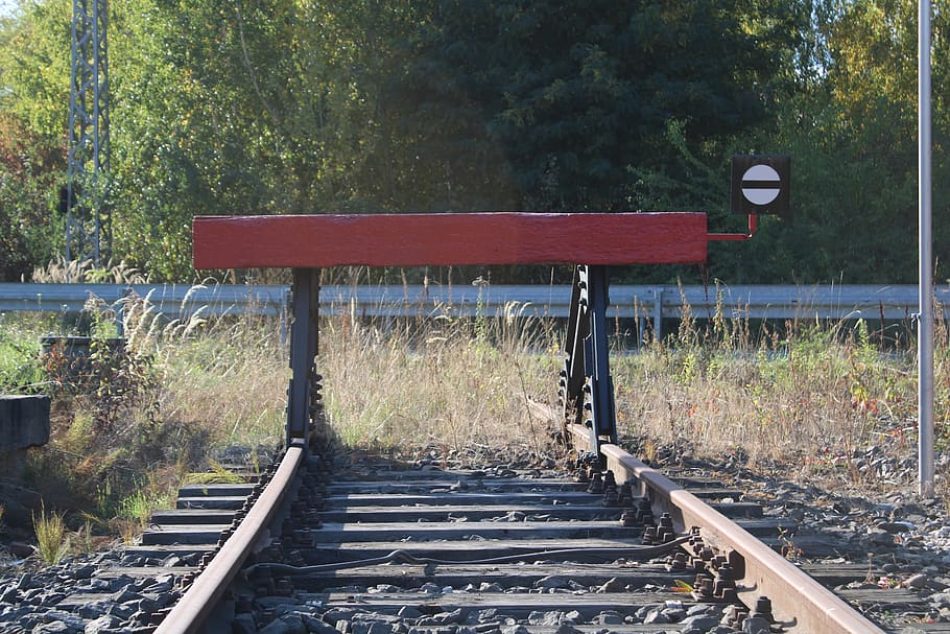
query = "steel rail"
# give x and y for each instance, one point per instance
(200, 599)
(798, 601)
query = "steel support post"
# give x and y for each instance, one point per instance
(586, 385)
(573, 377)
(597, 359)
(925, 326)
(303, 353)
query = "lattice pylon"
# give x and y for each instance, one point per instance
(88, 218)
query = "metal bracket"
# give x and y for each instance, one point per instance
(303, 354)
(587, 391)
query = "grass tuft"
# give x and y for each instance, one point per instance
(216, 475)
(52, 541)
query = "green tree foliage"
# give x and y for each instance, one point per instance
(851, 126)
(32, 141)
(298, 106)
(230, 107)
(576, 98)
(28, 175)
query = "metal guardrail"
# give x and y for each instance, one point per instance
(646, 303)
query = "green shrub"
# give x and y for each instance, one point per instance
(20, 367)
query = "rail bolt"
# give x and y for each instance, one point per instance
(677, 562)
(649, 536)
(703, 587)
(725, 585)
(626, 495)
(596, 483)
(763, 609)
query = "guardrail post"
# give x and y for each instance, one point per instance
(283, 313)
(658, 314)
(120, 311)
(303, 352)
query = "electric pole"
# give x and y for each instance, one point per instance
(88, 218)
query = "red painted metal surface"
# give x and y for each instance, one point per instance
(317, 241)
(737, 237)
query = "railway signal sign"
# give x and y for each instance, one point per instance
(761, 184)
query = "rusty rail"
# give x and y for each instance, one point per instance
(798, 601)
(196, 605)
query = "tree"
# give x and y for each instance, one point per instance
(577, 97)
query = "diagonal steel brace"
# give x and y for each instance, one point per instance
(586, 385)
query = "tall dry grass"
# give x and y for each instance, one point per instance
(446, 380)
(803, 392)
(442, 380)
(805, 395)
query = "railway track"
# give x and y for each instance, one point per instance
(379, 548)
(376, 548)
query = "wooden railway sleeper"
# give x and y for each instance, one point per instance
(401, 556)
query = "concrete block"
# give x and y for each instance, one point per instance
(24, 421)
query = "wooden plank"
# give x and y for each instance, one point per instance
(470, 512)
(419, 531)
(506, 575)
(333, 532)
(183, 534)
(652, 628)
(192, 516)
(461, 551)
(215, 490)
(389, 475)
(889, 596)
(144, 572)
(162, 551)
(506, 603)
(457, 497)
(227, 502)
(531, 512)
(464, 485)
(397, 495)
(317, 241)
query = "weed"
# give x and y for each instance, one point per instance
(52, 542)
(127, 530)
(136, 506)
(216, 475)
(82, 541)
(788, 548)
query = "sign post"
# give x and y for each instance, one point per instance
(925, 335)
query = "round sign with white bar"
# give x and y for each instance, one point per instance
(761, 185)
